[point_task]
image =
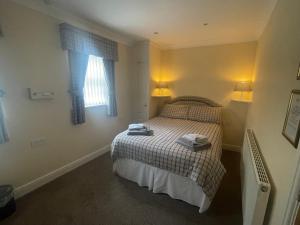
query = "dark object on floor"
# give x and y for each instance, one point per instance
(7, 201)
(93, 195)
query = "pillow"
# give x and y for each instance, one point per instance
(205, 114)
(189, 103)
(175, 111)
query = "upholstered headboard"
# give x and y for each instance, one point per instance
(193, 100)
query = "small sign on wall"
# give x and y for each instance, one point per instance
(40, 95)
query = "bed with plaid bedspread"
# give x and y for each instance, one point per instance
(161, 151)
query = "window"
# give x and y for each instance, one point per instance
(95, 89)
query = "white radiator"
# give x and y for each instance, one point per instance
(255, 183)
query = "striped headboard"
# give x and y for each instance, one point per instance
(193, 100)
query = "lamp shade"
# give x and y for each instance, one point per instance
(162, 85)
(243, 86)
(161, 90)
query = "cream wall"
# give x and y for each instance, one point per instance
(31, 56)
(277, 63)
(212, 72)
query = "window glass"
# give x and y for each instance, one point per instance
(95, 86)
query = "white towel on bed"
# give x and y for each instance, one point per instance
(136, 126)
(192, 145)
(142, 132)
(196, 138)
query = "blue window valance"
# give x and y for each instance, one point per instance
(78, 40)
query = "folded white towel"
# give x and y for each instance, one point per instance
(144, 132)
(193, 146)
(136, 126)
(191, 143)
(197, 138)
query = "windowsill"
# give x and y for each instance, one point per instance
(95, 106)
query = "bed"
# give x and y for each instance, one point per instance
(164, 166)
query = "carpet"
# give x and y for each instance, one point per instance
(93, 195)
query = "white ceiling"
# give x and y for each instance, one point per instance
(178, 22)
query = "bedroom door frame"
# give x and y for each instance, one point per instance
(141, 82)
(293, 205)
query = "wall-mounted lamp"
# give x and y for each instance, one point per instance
(162, 85)
(161, 90)
(242, 87)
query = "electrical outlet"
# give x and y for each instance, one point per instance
(38, 142)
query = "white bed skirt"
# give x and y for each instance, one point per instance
(162, 181)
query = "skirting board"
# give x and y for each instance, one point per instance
(32, 185)
(234, 148)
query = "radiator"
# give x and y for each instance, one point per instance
(255, 182)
